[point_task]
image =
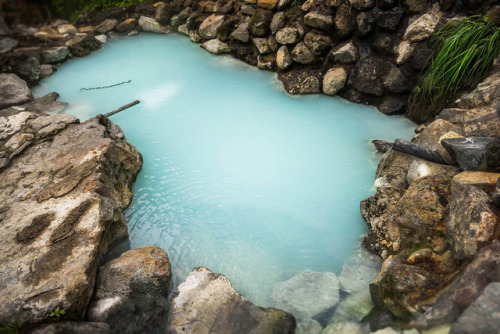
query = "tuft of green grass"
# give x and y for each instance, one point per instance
(465, 51)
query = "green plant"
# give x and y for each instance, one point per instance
(10, 329)
(57, 313)
(464, 53)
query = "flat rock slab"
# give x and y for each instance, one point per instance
(61, 201)
(207, 303)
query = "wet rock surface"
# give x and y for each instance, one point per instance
(206, 302)
(132, 291)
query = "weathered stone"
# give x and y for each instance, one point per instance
(390, 19)
(432, 135)
(366, 76)
(365, 22)
(209, 27)
(4, 30)
(396, 82)
(55, 54)
(484, 94)
(393, 168)
(206, 302)
(151, 25)
(106, 26)
(62, 217)
(420, 168)
(13, 90)
(262, 45)
(392, 105)
(387, 4)
(484, 181)
(260, 23)
(277, 22)
(283, 58)
(455, 299)
(470, 222)
(382, 42)
(382, 146)
(334, 80)
(482, 316)
(345, 21)
(415, 6)
(26, 66)
(346, 53)
(422, 28)
(283, 4)
(468, 152)
(247, 9)
(86, 30)
(163, 13)
(307, 294)
(82, 45)
(241, 33)
(446, 5)
(132, 291)
(287, 35)
(319, 43)
(126, 25)
(267, 4)
(319, 21)
(7, 44)
(404, 51)
(67, 29)
(266, 62)
(103, 39)
(46, 71)
(66, 327)
(215, 46)
(301, 54)
(46, 104)
(362, 4)
(301, 82)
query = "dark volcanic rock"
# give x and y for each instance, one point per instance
(396, 82)
(365, 22)
(393, 105)
(345, 21)
(492, 154)
(206, 302)
(382, 146)
(83, 45)
(260, 22)
(26, 66)
(132, 291)
(468, 152)
(390, 19)
(366, 76)
(319, 43)
(163, 13)
(301, 82)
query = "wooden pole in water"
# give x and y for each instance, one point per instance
(128, 105)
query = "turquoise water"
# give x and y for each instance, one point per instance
(238, 176)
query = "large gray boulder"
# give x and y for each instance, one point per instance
(13, 90)
(207, 303)
(64, 214)
(132, 291)
(468, 152)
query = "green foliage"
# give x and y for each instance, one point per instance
(57, 313)
(465, 51)
(68, 8)
(10, 329)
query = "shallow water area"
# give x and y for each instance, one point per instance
(238, 176)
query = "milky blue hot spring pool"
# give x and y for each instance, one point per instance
(238, 176)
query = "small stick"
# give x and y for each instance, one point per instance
(128, 105)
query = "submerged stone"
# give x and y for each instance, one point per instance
(307, 294)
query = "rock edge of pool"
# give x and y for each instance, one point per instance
(65, 184)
